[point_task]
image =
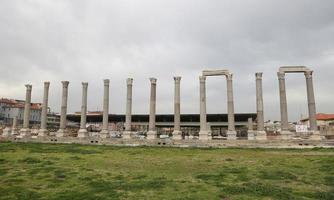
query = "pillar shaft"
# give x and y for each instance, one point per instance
(152, 104)
(283, 102)
(45, 105)
(259, 102)
(250, 124)
(202, 93)
(14, 123)
(311, 101)
(84, 106)
(177, 106)
(27, 106)
(230, 103)
(128, 116)
(63, 110)
(105, 105)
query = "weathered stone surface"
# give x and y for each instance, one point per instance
(105, 132)
(83, 131)
(25, 131)
(62, 127)
(43, 131)
(152, 134)
(177, 133)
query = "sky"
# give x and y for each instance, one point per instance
(88, 41)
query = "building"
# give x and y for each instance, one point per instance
(190, 123)
(325, 123)
(53, 121)
(10, 108)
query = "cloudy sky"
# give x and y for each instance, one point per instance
(81, 40)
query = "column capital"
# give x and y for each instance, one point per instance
(202, 79)
(46, 83)
(281, 75)
(129, 81)
(177, 78)
(153, 80)
(84, 84)
(28, 86)
(308, 74)
(106, 81)
(258, 75)
(65, 83)
(229, 76)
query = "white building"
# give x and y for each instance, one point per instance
(10, 108)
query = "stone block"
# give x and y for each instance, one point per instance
(231, 135)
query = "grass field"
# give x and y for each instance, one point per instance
(46, 171)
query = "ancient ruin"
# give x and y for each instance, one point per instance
(255, 137)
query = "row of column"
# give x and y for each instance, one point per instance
(204, 133)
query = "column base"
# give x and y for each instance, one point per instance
(83, 133)
(261, 135)
(177, 135)
(315, 135)
(6, 132)
(62, 133)
(126, 134)
(286, 135)
(231, 135)
(15, 131)
(25, 132)
(43, 132)
(151, 135)
(251, 135)
(204, 135)
(104, 134)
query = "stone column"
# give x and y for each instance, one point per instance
(83, 131)
(152, 133)
(285, 133)
(105, 131)
(62, 127)
(231, 133)
(177, 133)
(260, 133)
(203, 133)
(311, 101)
(14, 128)
(43, 131)
(127, 132)
(25, 131)
(250, 132)
(311, 106)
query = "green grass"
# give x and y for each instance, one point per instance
(57, 171)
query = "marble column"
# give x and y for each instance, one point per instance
(250, 132)
(285, 133)
(43, 131)
(177, 133)
(203, 133)
(25, 131)
(152, 133)
(260, 133)
(14, 127)
(231, 133)
(128, 112)
(83, 130)
(311, 101)
(105, 131)
(62, 127)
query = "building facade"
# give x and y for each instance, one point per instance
(10, 108)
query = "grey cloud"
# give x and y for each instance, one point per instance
(92, 40)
